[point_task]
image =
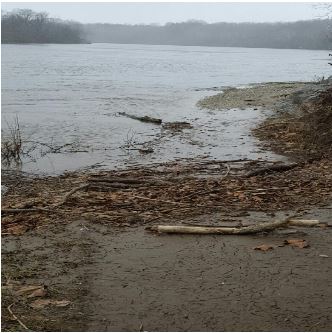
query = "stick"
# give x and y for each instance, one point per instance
(15, 317)
(303, 223)
(260, 227)
(74, 190)
(145, 119)
(118, 180)
(160, 200)
(24, 210)
(272, 168)
(292, 222)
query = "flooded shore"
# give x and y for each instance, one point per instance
(69, 100)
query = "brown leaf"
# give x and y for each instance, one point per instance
(17, 229)
(41, 303)
(264, 247)
(300, 243)
(61, 303)
(257, 199)
(41, 292)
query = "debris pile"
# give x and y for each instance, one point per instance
(145, 195)
(304, 134)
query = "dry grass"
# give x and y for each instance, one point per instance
(11, 143)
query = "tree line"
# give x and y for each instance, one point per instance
(312, 34)
(27, 26)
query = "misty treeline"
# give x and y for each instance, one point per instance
(27, 26)
(299, 35)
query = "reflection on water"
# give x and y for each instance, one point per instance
(72, 94)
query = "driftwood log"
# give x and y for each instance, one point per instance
(144, 119)
(252, 229)
(271, 168)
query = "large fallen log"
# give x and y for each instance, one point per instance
(145, 119)
(252, 229)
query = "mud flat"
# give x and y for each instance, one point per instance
(122, 281)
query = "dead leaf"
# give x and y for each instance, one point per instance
(300, 243)
(17, 230)
(61, 303)
(41, 292)
(31, 291)
(257, 199)
(41, 303)
(264, 247)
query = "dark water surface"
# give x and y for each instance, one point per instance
(71, 94)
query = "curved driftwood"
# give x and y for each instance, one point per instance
(253, 229)
(245, 230)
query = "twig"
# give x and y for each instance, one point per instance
(208, 191)
(24, 210)
(160, 200)
(16, 318)
(74, 190)
(272, 168)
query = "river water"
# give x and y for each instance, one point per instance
(71, 95)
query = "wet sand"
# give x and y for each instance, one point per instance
(270, 96)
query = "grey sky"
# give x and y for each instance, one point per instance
(161, 13)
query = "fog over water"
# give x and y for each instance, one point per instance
(161, 13)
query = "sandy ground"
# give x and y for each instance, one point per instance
(123, 280)
(277, 96)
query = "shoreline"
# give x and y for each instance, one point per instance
(109, 270)
(289, 105)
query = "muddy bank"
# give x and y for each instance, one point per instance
(132, 280)
(301, 122)
(81, 239)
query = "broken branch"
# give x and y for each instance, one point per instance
(271, 168)
(253, 229)
(16, 318)
(145, 119)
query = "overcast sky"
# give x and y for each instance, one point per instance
(161, 13)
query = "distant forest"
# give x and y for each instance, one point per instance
(26, 26)
(296, 35)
